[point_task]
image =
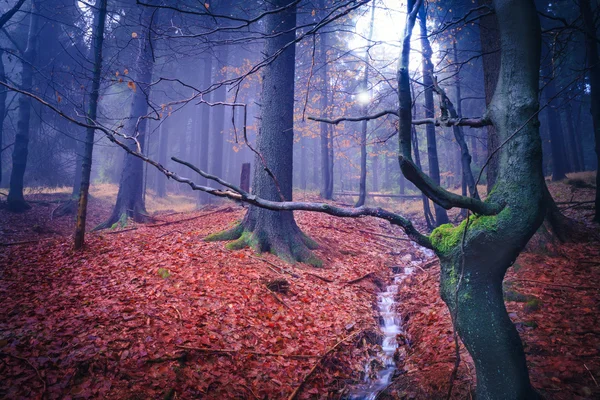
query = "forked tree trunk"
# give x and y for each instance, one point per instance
(86, 166)
(130, 201)
(15, 201)
(262, 229)
(473, 271)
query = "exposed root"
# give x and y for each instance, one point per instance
(293, 247)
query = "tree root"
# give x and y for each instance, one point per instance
(294, 247)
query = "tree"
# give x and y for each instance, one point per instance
(86, 169)
(362, 190)
(262, 229)
(441, 217)
(130, 200)
(593, 62)
(16, 202)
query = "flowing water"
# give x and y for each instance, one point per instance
(380, 369)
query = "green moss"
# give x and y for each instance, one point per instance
(445, 237)
(532, 305)
(230, 234)
(310, 243)
(164, 273)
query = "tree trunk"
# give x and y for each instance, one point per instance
(217, 125)
(324, 127)
(262, 229)
(573, 138)
(594, 68)
(163, 143)
(86, 166)
(468, 181)
(441, 216)
(472, 272)
(554, 123)
(15, 201)
(331, 158)
(473, 263)
(490, 48)
(362, 184)
(3, 95)
(130, 202)
(205, 122)
(429, 220)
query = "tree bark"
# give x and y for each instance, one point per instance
(473, 270)
(262, 229)
(205, 122)
(3, 95)
(326, 193)
(217, 125)
(490, 48)
(362, 184)
(573, 139)
(473, 263)
(594, 74)
(130, 202)
(163, 143)
(441, 216)
(86, 166)
(15, 201)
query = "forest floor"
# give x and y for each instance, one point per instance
(153, 311)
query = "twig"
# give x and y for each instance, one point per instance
(592, 375)
(359, 279)
(32, 366)
(279, 299)
(295, 392)
(254, 353)
(178, 313)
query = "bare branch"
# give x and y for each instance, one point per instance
(449, 122)
(235, 193)
(354, 119)
(440, 195)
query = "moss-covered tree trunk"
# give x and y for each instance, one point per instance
(130, 200)
(262, 229)
(473, 270)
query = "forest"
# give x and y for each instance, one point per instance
(299, 199)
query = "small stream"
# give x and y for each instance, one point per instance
(380, 369)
